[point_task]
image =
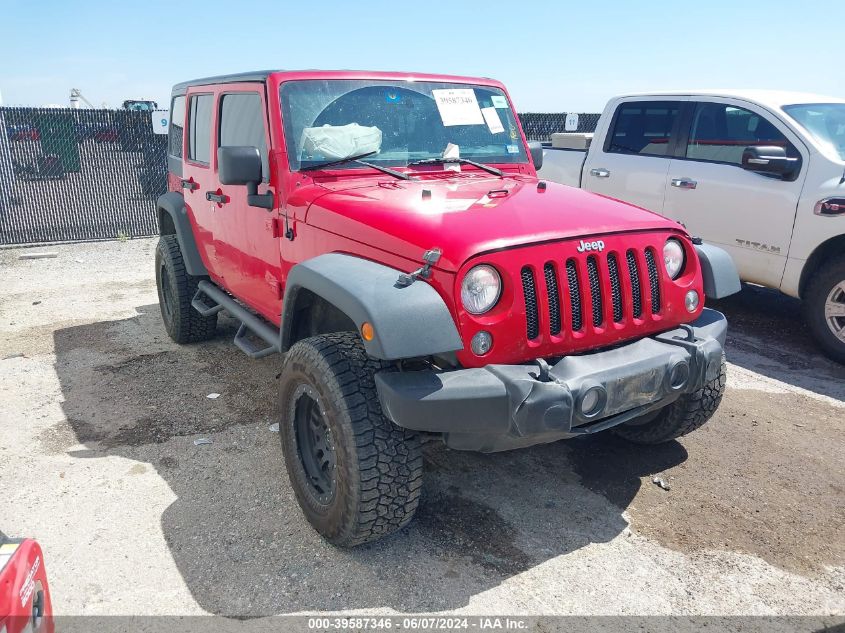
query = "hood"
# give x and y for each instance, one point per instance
(468, 214)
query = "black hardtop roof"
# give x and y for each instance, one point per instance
(255, 75)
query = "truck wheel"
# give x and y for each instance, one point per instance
(176, 289)
(824, 307)
(356, 475)
(683, 416)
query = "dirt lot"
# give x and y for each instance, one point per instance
(99, 411)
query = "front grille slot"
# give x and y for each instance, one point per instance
(595, 290)
(615, 287)
(634, 274)
(556, 292)
(576, 317)
(532, 322)
(554, 301)
(653, 280)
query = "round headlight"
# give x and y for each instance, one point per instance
(480, 289)
(673, 257)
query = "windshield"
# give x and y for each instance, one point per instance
(401, 121)
(824, 121)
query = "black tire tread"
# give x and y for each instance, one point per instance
(830, 272)
(385, 488)
(685, 415)
(188, 325)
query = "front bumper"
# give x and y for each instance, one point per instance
(501, 407)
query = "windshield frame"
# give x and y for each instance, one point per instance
(823, 144)
(521, 159)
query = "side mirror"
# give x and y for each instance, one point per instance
(771, 160)
(242, 166)
(239, 165)
(536, 149)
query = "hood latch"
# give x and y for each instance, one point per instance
(430, 257)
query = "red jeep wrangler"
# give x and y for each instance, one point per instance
(387, 233)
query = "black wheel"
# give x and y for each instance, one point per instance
(683, 416)
(356, 475)
(824, 307)
(176, 289)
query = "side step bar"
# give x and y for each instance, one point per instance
(249, 321)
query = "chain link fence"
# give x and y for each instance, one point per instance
(539, 126)
(68, 175)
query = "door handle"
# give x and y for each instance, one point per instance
(219, 198)
(190, 185)
(600, 172)
(684, 183)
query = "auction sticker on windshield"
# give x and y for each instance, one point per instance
(458, 106)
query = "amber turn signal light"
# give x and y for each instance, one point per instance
(367, 331)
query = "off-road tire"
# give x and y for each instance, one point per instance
(831, 273)
(378, 465)
(176, 289)
(683, 416)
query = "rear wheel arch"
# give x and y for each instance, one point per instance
(173, 220)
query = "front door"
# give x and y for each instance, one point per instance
(245, 235)
(633, 162)
(748, 214)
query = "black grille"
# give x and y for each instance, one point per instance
(653, 280)
(595, 290)
(532, 324)
(554, 301)
(636, 291)
(615, 287)
(574, 295)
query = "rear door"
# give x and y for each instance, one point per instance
(748, 214)
(198, 176)
(633, 162)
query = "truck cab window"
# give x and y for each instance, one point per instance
(643, 127)
(242, 124)
(199, 128)
(176, 132)
(720, 132)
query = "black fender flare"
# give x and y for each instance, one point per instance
(173, 204)
(408, 322)
(718, 272)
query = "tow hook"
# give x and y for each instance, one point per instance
(430, 257)
(543, 374)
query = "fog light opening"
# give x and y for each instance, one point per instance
(679, 375)
(691, 301)
(593, 401)
(481, 343)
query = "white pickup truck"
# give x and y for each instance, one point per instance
(761, 174)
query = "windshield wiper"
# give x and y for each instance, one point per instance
(459, 161)
(357, 159)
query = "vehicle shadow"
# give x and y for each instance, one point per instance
(789, 353)
(235, 531)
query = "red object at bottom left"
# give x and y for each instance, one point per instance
(24, 592)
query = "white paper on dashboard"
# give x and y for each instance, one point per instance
(458, 106)
(499, 101)
(494, 123)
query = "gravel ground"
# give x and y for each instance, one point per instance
(99, 411)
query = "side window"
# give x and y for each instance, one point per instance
(720, 132)
(643, 127)
(199, 128)
(242, 124)
(176, 133)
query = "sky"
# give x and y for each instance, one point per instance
(553, 56)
